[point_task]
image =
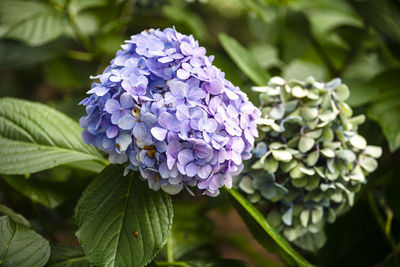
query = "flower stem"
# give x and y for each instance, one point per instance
(170, 248)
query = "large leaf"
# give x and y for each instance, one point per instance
(383, 15)
(48, 193)
(264, 232)
(386, 108)
(16, 54)
(121, 221)
(32, 22)
(34, 137)
(244, 59)
(21, 246)
(67, 256)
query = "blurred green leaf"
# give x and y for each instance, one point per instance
(191, 20)
(311, 242)
(78, 5)
(35, 137)
(189, 234)
(361, 92)
(49, 193)
(18, 218)
(264, 232)
(353, 240)
(244, 59)
(119, 216)
(384, 15)
(16, 55)
(21, 246)
(37, 24)
(67, 256)
(386, 108)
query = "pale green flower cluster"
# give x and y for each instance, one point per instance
(310, 160)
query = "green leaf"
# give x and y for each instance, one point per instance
(189, 19)
(79, 5)
(383, 15)
(49, 193)
(386, 109)
(21, 246)
(36, 24)
(121, 221)
(34, 137)
(264, 232)
(18, 218)
(306, 143)
(67, 256)
(244, 59)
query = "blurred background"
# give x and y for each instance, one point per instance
(49, 48)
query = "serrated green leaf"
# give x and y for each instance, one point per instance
(244, 59)
(121, 221)
(37, 24)
(264, 232)
(21, 246)
(67, 256)
(35, 137)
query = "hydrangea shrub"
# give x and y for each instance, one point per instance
(310, 159)
(163, 108)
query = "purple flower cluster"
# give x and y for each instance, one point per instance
(161, 107)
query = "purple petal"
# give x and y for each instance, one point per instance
(112, 106)
(191, 169)
(186, 49)
(196, 94)
(126, 101)
(159, 133)
(126, 122)
(179, 89)
(165, 119)
(165, 59)
(182, 112)
(185, 156)
(202, 150)
(182, 74)
(204, 171)
(208, 125)
(112, 131)
(164, 171)
(214, 87)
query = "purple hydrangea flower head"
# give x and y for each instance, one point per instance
(163, 109)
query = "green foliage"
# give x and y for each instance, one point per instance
(30, 21)
(35, 137)
(67, 256)
(264, 232)
(124, 226)
(48, 193)
(244, 59)
(21, 246)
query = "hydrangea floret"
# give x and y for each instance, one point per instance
(162, 107)
(310, 160)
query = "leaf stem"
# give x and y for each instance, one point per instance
(79, 55)
(380, 219)
(170, 248)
